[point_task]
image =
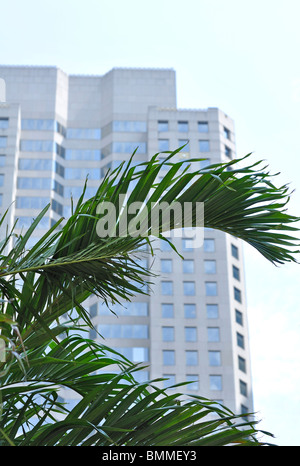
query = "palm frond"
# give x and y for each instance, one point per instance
(111, 407)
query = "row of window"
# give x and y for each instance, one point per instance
(203, 145)
(141, 354)
(79, 133)
(141, 309)
(42, 124)
(25, 222)
(189, 289)
(183, 127)
(34, 145)
(74, 173)
(34, 124)
(208, 245)
(134, 308)
(215, 384)
(115, 126)
(41, 145)
(188, 266)
(125, 147)
(36, 164)
(141, 331)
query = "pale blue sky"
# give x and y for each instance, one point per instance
(241, 56)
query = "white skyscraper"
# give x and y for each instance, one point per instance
(55, 130)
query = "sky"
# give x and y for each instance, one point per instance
(241, 56)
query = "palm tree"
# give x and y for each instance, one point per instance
(44, 290)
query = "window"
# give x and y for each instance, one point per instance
(61, 151)
(3, 142)
(210, 266)
(32, 202)
(213, 334)
(83, 154)
(193, 380)
(212, 311)
(163, 144)
(191, 358)
(76, 191)
(237, 295)
(211, 288)
(190, 311)
(82, 173)
(236, 272)
(214, 358)
(134, 308)
(165, 246)
(33, 124)
(163, 125)
(171, 380)
(34, 145)
(168, 357)
(204, 163)
(228, 152)
(58, 188)
(93, 310)
(57, 207)
(185, 143)
(186, 245)
(226, 133)
(83, 133)
(203, 126)
(244, 409)
(209, 245)
(183, 126)
(166, 266)
(25, 222)
(123, 331)
(238, 317)
(167, 310)
(129, 126)
(141, 376)
(167, 288)
(168, 333)
(242, 364)
(129, 147)
(2, 160)
(190, 334)
(189, 288)
(1, 199)
(215, 382)
(243, 388)
(60, 170)
(204, 146)
(35, 164)
(1, 179)
(4, 123)
(34, 183)
(188, 266)
(134, 354)
(234, 251)
(240, 340)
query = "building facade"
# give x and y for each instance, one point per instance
(56, 129)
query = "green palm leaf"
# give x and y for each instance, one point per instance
(44, 290)
(112, 409)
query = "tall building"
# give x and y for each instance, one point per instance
(55, 129)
